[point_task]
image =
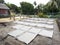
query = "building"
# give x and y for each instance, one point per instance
(4, 10)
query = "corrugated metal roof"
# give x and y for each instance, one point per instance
(3, 6)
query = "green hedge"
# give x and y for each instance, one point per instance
(41, 15)
(55, 16)
(2, 16)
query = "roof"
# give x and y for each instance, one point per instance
(3, 6)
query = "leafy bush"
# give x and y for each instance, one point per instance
(2, 16)
(55, 16)
(41, 15)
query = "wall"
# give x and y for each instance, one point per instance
(4, 13)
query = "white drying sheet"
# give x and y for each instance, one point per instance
(21, 27)
(40, 25)
(18, 26)
(27, 37)
(49, 26)
(16, 33)
(26, 34)
(46, 33)
(35, 30)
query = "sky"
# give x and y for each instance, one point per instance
(17, 2)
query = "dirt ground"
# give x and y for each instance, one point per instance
(39, 40)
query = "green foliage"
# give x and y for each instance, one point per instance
(58, 3)
(35, 11)
(35, 3)
(27, 8)
(41, 15)
(40, 7)
(55, 16)
(1, 1)
(2, 16)
(13, 7)
(51, 7)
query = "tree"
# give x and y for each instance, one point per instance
(27, 8)
(1, 1)
(35, 10)
(51, 7)
(35, 3)
(13, 7)
(40, 7)
(58, 2)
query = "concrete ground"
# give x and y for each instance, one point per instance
(39, 40)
